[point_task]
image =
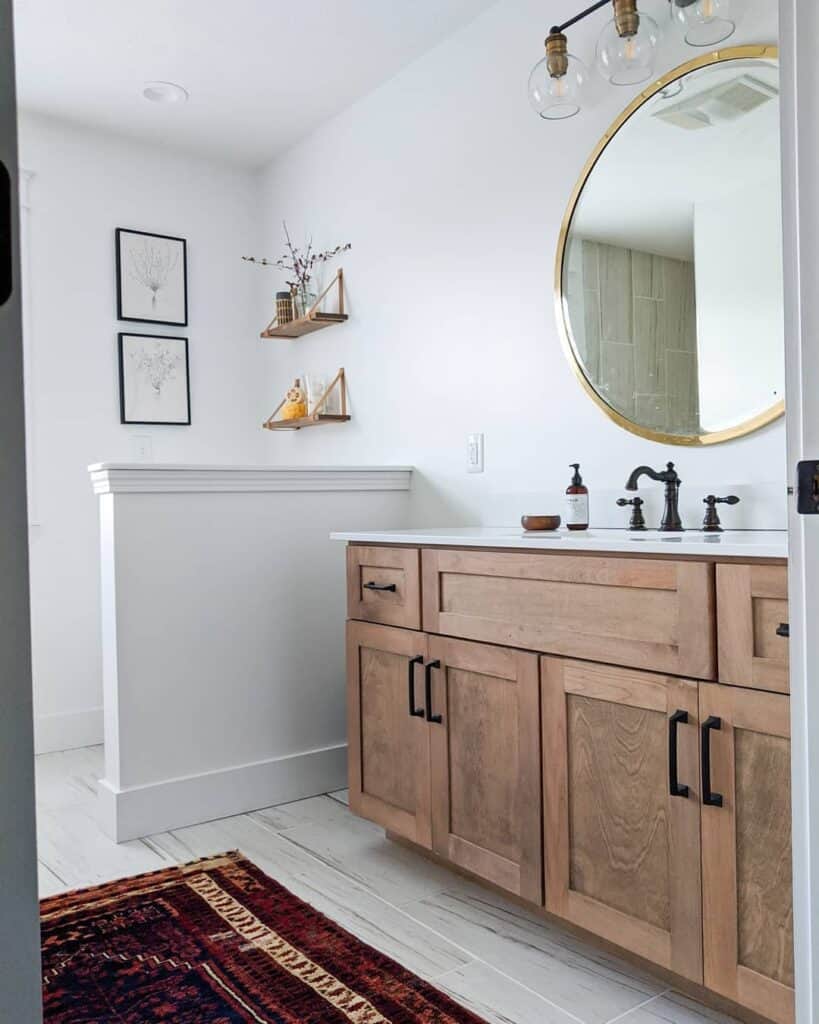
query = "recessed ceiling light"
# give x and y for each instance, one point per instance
(164, 92)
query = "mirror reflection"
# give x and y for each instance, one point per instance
(672, 266)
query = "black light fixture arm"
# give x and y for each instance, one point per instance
(581, 15)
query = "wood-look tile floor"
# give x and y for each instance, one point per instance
(500, 960)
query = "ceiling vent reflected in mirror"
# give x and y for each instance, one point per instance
(721, 105)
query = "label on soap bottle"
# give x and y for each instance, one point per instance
(577, 510)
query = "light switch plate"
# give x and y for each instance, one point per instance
(474, 453)
(142, 447)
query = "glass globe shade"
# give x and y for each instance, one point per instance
(628, 60)
(557, 98)
(704, 22)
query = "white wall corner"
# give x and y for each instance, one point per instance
(132, 813)
(68, 730)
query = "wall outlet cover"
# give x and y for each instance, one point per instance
(142, 447)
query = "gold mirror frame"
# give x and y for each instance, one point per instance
(717, 436)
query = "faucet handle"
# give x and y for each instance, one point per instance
(711, 523)
(636, 522)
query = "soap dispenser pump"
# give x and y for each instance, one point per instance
(577, 501)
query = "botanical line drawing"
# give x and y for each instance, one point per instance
(152, 265)
(159, 366)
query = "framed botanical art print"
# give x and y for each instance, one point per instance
(154, 379)
(152, 278)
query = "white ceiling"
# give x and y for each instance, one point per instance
(261, 73)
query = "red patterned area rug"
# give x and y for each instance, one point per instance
(218, 942)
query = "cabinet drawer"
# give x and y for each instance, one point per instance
(384, 585)
(752, 603)
(652, 614)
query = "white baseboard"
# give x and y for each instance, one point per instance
(67, 730)
(174, 803)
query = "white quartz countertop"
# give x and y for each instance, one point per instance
(746, 544)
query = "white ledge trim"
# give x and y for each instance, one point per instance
(153, 478)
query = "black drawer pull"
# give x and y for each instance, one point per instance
(710, 725)
(413, 710)
(678, 718)
(430, 665)
(381, 586)
(783, 629)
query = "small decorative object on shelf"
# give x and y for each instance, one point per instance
(284, 307)
(283, 418)
(295, 403)
(301, 265)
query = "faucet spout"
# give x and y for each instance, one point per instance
(631, 483)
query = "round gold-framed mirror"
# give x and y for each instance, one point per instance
(668, 278)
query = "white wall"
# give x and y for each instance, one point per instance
(452, 193)
(84, 185)
(738, 265)
(223, 641)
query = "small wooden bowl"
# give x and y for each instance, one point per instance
(533, 523)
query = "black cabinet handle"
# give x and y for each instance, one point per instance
(381, 586)
(413, 710)
(679, 717)
(430, 665)
(783, 629)
(710, 725)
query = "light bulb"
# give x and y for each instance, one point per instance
(704, 22)
(628, 59)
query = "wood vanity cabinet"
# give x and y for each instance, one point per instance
(444, 741)
(558, 729)
(388, 746)
(752, 603)
(622, 852)
(746, 851)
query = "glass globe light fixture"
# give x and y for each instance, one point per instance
(556, 82)
(704, 22)
(627, 47)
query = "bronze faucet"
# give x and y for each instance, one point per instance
(671, 522)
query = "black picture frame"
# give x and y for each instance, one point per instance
(118, 233)
(122, 411)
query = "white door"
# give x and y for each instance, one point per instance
(19, 920)
(799, 32)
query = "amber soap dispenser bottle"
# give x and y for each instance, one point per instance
(577, 501)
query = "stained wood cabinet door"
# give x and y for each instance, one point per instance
(622, 853)
(752, 607)
(485, 747)
(746, 850)
(388, 745)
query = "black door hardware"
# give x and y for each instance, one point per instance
(710, 523)
(5, 234)
(710, 725)
(678, 718)
(807, 488)
(413, 710)
(430, 665)
(381, 586)
(783, 629)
